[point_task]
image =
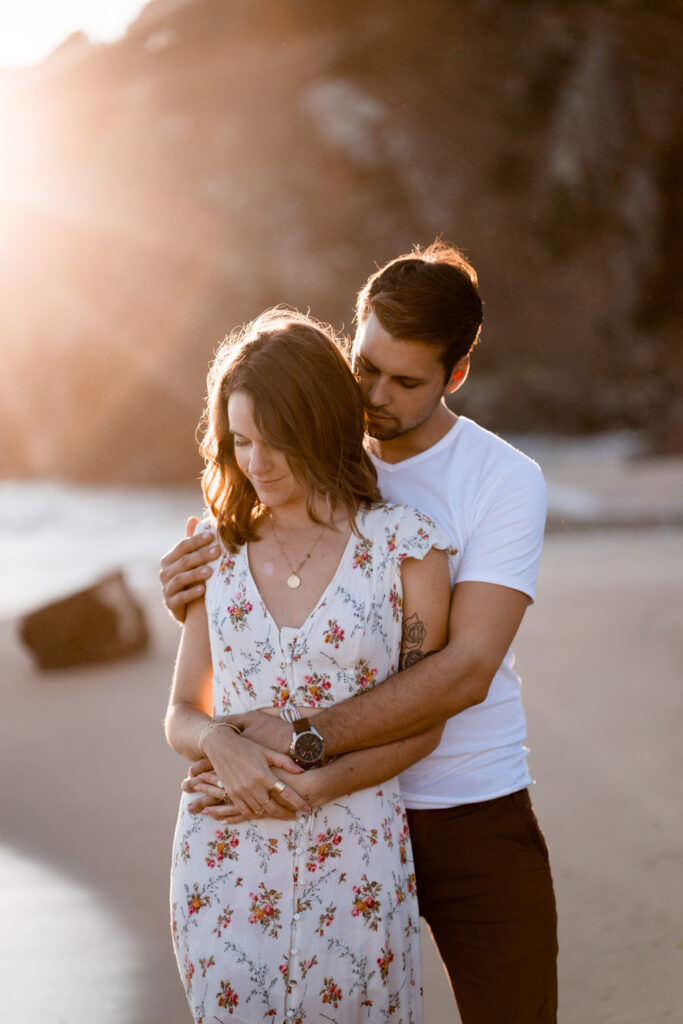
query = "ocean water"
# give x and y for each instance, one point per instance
(56, 538)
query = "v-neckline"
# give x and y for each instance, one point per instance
(321, 598)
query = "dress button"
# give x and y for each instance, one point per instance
(297, 916)
(294, 951)
(290, 1013)
(298, 850)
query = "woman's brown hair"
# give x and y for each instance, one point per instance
(306, 403)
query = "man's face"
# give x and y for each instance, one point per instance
(402, 381)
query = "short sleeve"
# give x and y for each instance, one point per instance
(205, 523)
(506, 541)
(410, 533)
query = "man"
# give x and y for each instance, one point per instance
(483, 876)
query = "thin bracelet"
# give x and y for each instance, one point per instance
(212, 725)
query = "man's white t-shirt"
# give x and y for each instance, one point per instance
(491, 501)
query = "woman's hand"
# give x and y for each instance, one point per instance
(244, 773)
(213, 802)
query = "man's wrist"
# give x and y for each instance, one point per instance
(307, 747)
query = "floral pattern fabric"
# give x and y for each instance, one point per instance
(313, 920)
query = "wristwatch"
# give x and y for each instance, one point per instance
(307, 747)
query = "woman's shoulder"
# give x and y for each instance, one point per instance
(399, 515)
(227, 562)
(405, 530)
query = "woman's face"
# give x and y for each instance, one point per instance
(265, 467)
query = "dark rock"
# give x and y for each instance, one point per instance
(101, 623)
(223, 157)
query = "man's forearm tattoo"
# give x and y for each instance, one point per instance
(414, 633)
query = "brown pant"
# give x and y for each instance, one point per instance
(485, 889)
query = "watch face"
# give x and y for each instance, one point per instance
(308, 747)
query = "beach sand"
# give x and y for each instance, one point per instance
(90, 795)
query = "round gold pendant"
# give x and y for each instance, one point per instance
(293, 582)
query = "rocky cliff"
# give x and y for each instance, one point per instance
(230, 154)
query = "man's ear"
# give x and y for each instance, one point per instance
(459, 375)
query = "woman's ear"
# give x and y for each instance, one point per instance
(459, 375)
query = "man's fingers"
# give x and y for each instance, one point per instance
(202, 801)
(199, 767)
(216, 792)
(194, 784)
(188, 568)
(183, 570)
(177, 605)
(273, 809)
(182, 582)
(191, 547)
(289, 798)
(225, 814)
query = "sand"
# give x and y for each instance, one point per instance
(90, 795)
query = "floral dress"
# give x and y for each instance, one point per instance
(313, 920)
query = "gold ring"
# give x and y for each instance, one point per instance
(226, 799)
(277, 787)
(259, 813)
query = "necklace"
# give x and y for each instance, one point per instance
(294, 580)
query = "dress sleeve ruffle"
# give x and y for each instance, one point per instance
(412, 534)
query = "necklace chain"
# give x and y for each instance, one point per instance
(294, 580)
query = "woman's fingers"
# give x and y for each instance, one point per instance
(211, 801)
(284, 761)
(244, 769)
(230, 815)
(212, 794)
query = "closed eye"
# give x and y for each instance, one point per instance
(239, 441)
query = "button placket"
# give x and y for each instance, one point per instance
(303, 827)
(304, 823)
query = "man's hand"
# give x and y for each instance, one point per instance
(184, 569)
(267, 729)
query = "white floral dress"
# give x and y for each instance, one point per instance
(313, 920)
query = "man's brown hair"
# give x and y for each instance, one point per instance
(428, 295)
(306, 404)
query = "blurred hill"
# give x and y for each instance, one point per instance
(230, 154)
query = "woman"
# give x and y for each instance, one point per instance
(315, 918)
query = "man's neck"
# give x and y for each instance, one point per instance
(416, 441)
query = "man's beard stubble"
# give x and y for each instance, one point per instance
(383, 432)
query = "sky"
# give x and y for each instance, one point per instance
(31, 29)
